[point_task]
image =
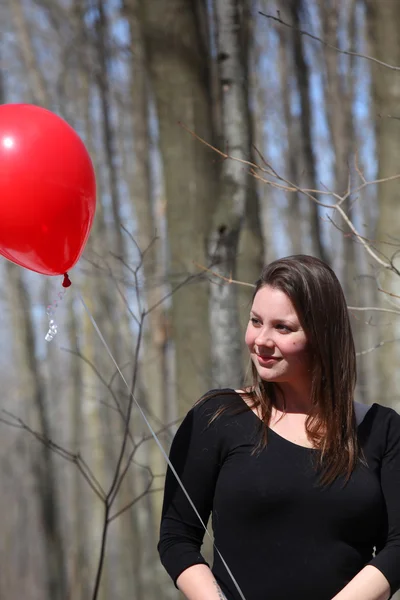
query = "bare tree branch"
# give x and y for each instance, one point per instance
(321, 41)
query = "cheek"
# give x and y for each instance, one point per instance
(249, 337)
(297, 349)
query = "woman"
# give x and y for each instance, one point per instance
(303, 484)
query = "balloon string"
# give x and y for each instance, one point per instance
(51, 309)
(51, 313)
(171, 466)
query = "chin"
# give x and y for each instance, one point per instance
(270, 376)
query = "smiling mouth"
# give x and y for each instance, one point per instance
(267, 357)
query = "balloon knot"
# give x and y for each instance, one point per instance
(67, 282)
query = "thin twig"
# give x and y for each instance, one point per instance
(293, 187)
(63, 452)
(374, 308)
(328, 45)
(378, 345)
(134, 501)
(118, 478)
(226, 279)
(366, 246)
(391, 294)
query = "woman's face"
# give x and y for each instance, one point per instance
(276, 340)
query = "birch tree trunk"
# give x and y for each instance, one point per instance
(233, 197)
(251, 250)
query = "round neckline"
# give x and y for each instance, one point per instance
(278, 435)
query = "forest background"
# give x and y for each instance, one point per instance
(225, 134)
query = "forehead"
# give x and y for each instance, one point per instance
(272, 302)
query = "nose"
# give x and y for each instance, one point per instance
(264, 339)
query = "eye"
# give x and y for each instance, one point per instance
(283, 328)
(254, 321)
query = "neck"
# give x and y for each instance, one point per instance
(293, 400)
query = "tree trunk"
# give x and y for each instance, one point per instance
(32, 384)
(251, 250)
(339, 97)
(32, 390)
(37, 82)
(233, 197)
(98, 295)
(149, 223)
(180, 83)
(295, 201)
(302, 71)
(383, 18)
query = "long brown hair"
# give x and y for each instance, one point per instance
(318, 299)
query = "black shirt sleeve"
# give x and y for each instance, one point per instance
(388, 558)
(196, 454)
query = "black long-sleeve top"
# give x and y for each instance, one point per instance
(282, 535)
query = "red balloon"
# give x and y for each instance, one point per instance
(47, 190)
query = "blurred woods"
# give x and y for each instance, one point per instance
(144, 82)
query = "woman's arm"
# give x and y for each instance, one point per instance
(381, 577)
(196, 453)
(368, 584)
(198, 583)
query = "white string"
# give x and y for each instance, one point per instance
(160, 445)
(51, 313)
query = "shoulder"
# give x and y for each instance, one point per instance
(384, 415)
(382, 425)
(215, 409)
(205, 428)
(217, 399)
(390, 420)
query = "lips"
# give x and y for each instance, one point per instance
(267, 361)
